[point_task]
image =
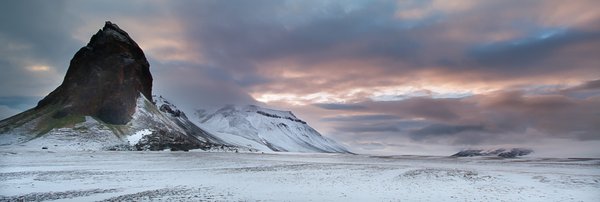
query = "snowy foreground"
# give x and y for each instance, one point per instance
(204, 176)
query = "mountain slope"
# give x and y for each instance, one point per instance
(266, 130)
(181, 121)
(148, 129)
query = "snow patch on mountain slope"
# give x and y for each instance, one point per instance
(266, 130)
(137, 136)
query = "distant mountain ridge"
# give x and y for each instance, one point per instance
(502, 152)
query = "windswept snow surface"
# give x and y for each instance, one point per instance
(266, 130)
(205, 176)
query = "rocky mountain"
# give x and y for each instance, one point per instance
(105, 102)
(265, 129)
(504, 153)
(104, 79)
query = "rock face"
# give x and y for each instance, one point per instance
(104, 79)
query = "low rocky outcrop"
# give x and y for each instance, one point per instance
(504, 153)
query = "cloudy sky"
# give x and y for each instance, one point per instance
(381, 77)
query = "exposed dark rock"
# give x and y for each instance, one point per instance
(468, 153)
(504, 153)
(121, 147)
(174, 141)
(279, 117)
(171, 111)
(104, 79)
(515, 153)
(160, 140)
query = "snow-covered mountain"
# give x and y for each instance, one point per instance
(265, 129)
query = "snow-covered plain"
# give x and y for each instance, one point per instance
(205, 176)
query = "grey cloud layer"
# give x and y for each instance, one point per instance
(495, 118)
(239, 35)
(33, 35)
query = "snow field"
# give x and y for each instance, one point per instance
(208, 176)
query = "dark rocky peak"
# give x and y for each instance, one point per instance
(110, 32)
(104, 79)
